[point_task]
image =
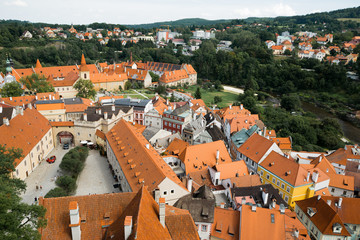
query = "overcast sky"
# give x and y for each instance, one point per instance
(148, 11)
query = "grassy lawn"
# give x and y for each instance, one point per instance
(349, 19)
(208, 97)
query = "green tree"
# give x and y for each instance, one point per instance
(18, 220)
(172, 98)
(160, 89)
(85, 89)
(217, 99)
(291, 102)
(12, 89)
(34, 82)
(154, 77)
(67, 183)
(128, 85)
(197, 94)
(56, 192)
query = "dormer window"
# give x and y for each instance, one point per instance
(337, 228)
(311, 211)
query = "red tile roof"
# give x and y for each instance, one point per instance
(255, 147)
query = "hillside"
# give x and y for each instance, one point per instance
(179, 23)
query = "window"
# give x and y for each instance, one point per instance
(283, 186)
(288, 189)
(344, 193)
(281, 194)
(267, 176)
(333, 190)
(252, 163)
(278, 183)
(165, 192)
(165, 123)
(32, 155)
(38, 148)
(78, 134)
(172, 191)
(169, 124)
(17, 172)
(25, 162)
(261, 172)
(89, 134)
(178, 126)
(286, 199)
(273, 180)
(203, 228)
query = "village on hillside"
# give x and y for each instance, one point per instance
(167, 166)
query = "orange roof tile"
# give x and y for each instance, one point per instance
(226, 224)
(232, 169)
(152, 167)
(18, 101)
(62, 124)
(100, 134)
(239, 122)
(255, 147)
(246, 181)
(232, 112)
(194, 161)
(177, 146)
(271, 220)
(50, 106)
(283, 143)
(25, 131)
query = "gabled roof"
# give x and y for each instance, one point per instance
(141, 165)
(194, 161)
(177, 146)
(226, 224)
(232, 112)
(232, 169)
(245, 121)
(283, 143)
(272, 224)
(25, 131)
(100, 134)
(255, 147)
(326, 216)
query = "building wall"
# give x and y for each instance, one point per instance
(54, 115)
(36, 155)
(110, 86)
(171, 191)
(56, 130)
(153, 119)
(204, 230)
(339, 192)
(66, 91)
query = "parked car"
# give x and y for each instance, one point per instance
(66, 146)
(51, 159)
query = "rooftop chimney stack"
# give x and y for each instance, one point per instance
(162, 211)
(1, 109)
(273, 204)
(29, 106)
(340, 202)
(282, 209)
(243, 201)
(308, 176)
(85, 116)
(328, 202)
(113, 108)
(265, 196)
(36, 97)
(6, 121)
(21, 111)
(189, 184)
(264, 131)
(241, 106)
(99, 111)
(222, 205)
(315, 176)
(74, 220)
(105, 115)
(157, 195)
(217, 155)
(127, 227)
(230, 106)
(253, 208)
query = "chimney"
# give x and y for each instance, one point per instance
(167, 101)
(265, 196)
(340, 202)
(189, 184)
(230, 106)
(29, 106)
(85, 116)
(315, 176)
(296, 233)
(162, 211)
(217, 155)
(156, 96)
(127, 227)
(6, 121)
(222, 205)
(10, 98)
(320, 158)
(253, 208)
(49, 96)
(264, 132)
(99, 111)
(243, 201)
(241, 106)
(308, 176)
(21, 111)
(282, 209)
(318, 197)
(273, 204)
(113, 108)
(74, 221)
(1, 109)
(328, 202)
(105, 115)
(157, 195)
(36, 97)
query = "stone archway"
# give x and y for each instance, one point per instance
(65, 137)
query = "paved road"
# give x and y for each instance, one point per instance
(233, 89)
(44, 175)
(141, 94)
(96, 178)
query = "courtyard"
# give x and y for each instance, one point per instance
(96, 177)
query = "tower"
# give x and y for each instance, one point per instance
(84, 70)
(38, 64)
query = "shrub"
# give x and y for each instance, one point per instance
(67, 183)
(56, 192)
(72, 166)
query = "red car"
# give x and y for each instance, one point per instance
(51, 159)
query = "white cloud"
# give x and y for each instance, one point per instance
(278, 9)
(18, 3)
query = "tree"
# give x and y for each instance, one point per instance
(290, 102)
(67, 183)
(128, 85)
(85, 89)
(154, 77)
(56, 192)
(197, 94)
(217, 99)
(12, 89)
(35, 83)
(160, 89)
(172, 98)
(18, 220)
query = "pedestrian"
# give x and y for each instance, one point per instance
(40, 187)
(35, 199)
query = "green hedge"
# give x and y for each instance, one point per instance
(56, 192)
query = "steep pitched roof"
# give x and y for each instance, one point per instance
(177, 146)
(239, 122)
(325, 216)
(194, 161)
(271, 220)
(25, 131)
(130, 149)
(255, 147)
(233, 111)
(226, 224)
(232, 169)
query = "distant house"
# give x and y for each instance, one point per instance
(278, 50)
(26, 34)
(270, 43)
